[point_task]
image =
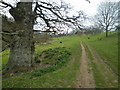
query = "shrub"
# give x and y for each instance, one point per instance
(37, 59)
(62, 57)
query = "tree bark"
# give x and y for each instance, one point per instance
(106, 31)
(22, 48)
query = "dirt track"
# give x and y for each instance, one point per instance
(85, 79)
(108, 76)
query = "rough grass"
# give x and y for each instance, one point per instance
(56, 58)
(103, 79)
(4, 55)
(96, 73)
(106, 47)
(108, 50)
(52, 56)
(64, 77)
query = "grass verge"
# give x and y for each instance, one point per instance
(102, 79)
(65, 77)
(107, 48)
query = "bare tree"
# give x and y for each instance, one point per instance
(107, 15)
(55, 16)
(52, 14)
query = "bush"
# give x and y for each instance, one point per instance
(62, 57)
(37, 59)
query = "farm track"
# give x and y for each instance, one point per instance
(97, 57)
(85, 78)
(108, 76)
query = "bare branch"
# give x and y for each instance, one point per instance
(6, 4)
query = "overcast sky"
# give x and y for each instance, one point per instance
(88, 8)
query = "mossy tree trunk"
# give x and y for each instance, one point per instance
(106, 29)
(22, 48)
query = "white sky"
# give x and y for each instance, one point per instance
(88, 8)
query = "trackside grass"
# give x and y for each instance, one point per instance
(63, 77)
(102, 76)
(106, 47)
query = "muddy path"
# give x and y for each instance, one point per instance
(85, 78)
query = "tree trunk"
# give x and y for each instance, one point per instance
(106, 31)
(22, 48)
(21, 51)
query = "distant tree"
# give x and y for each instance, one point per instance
(51, 16)
(96, 29)
(107, 15)
(118, 27)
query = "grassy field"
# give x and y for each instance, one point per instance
(107, 48)
(64, 77)
(102, 76)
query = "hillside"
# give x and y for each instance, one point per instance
(68, 75)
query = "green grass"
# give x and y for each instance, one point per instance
(5, 56)
(52, 56)
(97, 75)
(40, 48)
(103, 79)
(56, 58)
(107, 47)
(63, 77)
